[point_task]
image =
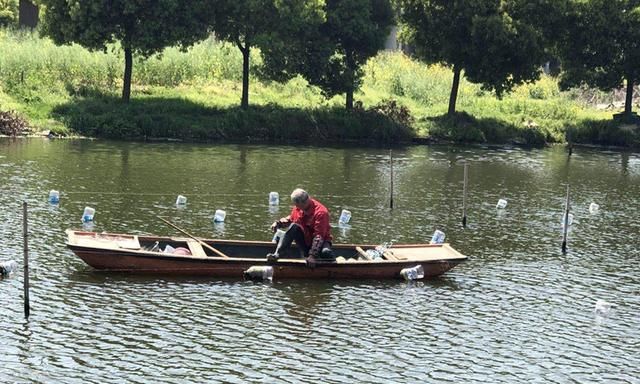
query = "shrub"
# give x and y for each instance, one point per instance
(12, 125)
(460, 127)
(392, 110)
(8, 12)
(604, 132)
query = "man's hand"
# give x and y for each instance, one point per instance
(280, 223)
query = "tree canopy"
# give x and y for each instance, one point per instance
(142, 27)
(490, 40)
(601, 46)
(8, 12)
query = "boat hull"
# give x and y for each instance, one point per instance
(287, 269)
(105, 256)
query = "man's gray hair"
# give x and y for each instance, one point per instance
(299, 196)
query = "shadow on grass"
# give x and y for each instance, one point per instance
(615, 132)
(146, 117)
(464, 128)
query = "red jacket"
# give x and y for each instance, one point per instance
(314, 221)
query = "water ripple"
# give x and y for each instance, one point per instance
(518, 311)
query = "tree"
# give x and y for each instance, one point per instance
(330, 46)
(142, 27)
(241, 22)
(266, 24)
(354, 31)
(601, 48)
(484, 38)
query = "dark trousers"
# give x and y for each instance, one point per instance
(295, 233)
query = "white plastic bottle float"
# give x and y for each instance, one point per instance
(274, 198)
(345, 217)
(54, 196)
(219, 216)
(88, 214)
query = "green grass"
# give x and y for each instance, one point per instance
(194, 95)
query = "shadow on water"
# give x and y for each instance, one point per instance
(105, 115)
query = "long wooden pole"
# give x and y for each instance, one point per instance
(217, 252)
(26, 260)
(566, 223)
(464, 195)
(391, 173)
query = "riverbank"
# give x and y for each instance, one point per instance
(195, 96)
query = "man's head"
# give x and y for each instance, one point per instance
(300, 198)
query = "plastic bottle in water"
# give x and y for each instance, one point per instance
(438, 237)
(88, 214)
(345, 216)
(181, 200)
(7, 266)
(219, 216)
(602, 307)
(54, 196)
(259, 273)
(593, 208)
(277, 236)
(274, 198)
(502, 204)
(413, 273)
(569, 221)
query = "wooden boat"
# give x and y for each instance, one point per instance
(143, 254)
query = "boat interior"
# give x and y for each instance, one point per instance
(252, 249)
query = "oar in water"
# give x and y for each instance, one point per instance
(194, 238)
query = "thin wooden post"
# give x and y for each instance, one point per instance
(26, 260)
(565, 220)
(391, 173)
(464, 195)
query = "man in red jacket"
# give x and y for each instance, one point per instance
(307, 225)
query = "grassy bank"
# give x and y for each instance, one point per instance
(195, 96)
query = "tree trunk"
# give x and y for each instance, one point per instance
(246, 50)
(453, 97)
(349, 103)
(128, 67)
(628, 104)
(351, 68)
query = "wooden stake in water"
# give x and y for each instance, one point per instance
(26, 260)
(464, 195)
(391, 172)
(565, 220)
